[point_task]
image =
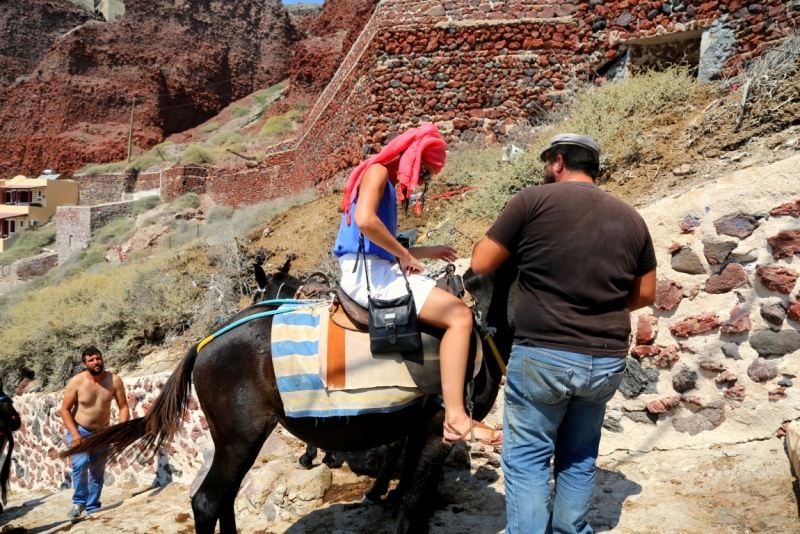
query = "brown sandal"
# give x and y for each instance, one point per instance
(493, 439)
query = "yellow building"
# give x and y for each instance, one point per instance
(26, 203)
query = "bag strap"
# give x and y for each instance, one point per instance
(362, 254)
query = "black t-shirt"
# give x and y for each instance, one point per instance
(579, 250)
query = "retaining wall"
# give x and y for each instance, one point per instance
(101, 188)
(30, 267)
(479, 68)
(43, 436)
(75, 224)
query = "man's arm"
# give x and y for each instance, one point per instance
(643, 291)
(121, 398)
(70, 400)
(488, 255)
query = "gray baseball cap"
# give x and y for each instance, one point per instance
(574, 139)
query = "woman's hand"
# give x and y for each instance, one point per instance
(411, 265)
(443, 252)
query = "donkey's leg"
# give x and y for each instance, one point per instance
(421, 491)
(381, 484)
(307, 459)
(233, 457)
(415, 444)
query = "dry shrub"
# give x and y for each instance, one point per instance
(115, 309)
(239, 111)
(145, 204)
(228, 137)
(198, 155)
(210, 127)
(276, 126)
(616, 115)
(29, 243)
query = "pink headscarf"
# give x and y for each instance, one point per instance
(413, 146)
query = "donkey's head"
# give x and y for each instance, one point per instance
(279, 285)
(8, 414)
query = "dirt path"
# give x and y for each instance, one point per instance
(744, 488)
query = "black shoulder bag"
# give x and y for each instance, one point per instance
(392, 323)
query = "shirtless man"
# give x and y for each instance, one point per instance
(86, 410)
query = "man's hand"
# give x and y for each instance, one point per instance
(440, 252)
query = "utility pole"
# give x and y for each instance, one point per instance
(130, 130)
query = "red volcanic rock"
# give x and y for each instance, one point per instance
(182, 61)
(692, 400)
(762, 370)
(786, 244)
(780, 279)
(663, 405)
(738, 322)
(790, 208)
(695, 324)
(777, 394)
(646, 329)
(732, 276)
(28, 28)
(667, 356)
(668, 294)
(712, 366)
(794, 310)
(735, 392)
(773, 313)
(643, 351)
(726, 377)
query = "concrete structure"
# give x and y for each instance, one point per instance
(28, 203)
(111, 10)
(75, 224)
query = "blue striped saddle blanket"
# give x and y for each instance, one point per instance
(316, 378)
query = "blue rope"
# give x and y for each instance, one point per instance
(3, 397)
(287, 306)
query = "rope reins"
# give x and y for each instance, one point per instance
(287, 305)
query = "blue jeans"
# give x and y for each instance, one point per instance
(555, 405)
(87, 475)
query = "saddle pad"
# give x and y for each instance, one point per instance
(297, 352)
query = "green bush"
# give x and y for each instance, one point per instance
(239, 111)
(143, 162)
(145, 204)
(210, 127)
(104, 168)
(228, 137)
(29, 243)
(197, 154)
(616, 115)
(275, 126)
(220, 213)
(187, 201)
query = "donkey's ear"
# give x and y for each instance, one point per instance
(261, 276)
(287, 265)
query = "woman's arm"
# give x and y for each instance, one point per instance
(370, 193)
(440, 252)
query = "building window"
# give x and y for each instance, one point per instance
(21, 225)
(39, 194)
(12, 226)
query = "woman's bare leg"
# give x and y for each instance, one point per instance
(443, 310)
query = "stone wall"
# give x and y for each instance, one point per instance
(30, 267)
(480, 68)
(75, 224)
(101, 188)
(43, 436)
(714, 361)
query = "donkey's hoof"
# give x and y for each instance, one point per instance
(306, 462)
(369, 502)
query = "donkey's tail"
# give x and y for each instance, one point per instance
(157, 427)
(5, 471)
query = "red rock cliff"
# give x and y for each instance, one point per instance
(182, 60)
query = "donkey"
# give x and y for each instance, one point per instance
(236, 386)
(10, 421)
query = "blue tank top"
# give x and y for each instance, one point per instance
(347, 239)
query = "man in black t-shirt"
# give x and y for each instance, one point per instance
(586, 260)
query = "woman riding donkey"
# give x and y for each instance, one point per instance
(370, 209)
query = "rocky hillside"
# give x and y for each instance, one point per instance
(182, 61)
(27, 30)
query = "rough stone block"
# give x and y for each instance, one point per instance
(716, 252)
(769, 343)
(695, 324)
(687, 261)
(738, 225)
(762, 370)
(784, 245)
(668, 294)
(738, 322)
(777, 278)
(646, 329)
(773, 313)
(732, 276)
(684, 380)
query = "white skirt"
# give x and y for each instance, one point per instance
(385, 280)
